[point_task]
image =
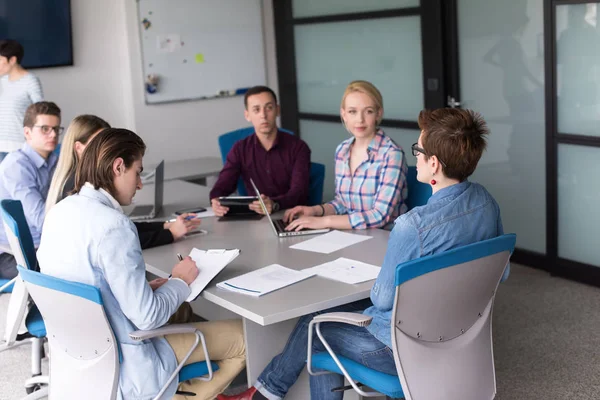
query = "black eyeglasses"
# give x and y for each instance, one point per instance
(46, 129)
(416, 150)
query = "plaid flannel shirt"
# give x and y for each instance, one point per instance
(376, 194)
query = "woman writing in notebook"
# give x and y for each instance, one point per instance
(86, 238)
(79, 133)
(370, 171)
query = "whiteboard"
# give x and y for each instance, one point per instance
(201, 48)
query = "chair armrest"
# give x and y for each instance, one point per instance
(163, 330)
(170, 330)
(344, 317)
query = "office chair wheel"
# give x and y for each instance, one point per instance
(34, 388)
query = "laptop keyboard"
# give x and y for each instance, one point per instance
(280, 225)
(141, 211)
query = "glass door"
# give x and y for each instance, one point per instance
(322, 45)
(576, 137)
(498, 59)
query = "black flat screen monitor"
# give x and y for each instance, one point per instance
(43, 27)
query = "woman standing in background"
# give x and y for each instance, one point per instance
(18, 90)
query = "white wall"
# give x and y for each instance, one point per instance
(99, 82)
(107, 80)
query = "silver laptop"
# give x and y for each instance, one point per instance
(279, 225)
(143, 212)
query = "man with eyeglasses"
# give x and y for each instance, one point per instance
(26, 174)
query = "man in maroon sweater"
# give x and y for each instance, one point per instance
(277, 162)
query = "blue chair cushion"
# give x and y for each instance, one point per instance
(195, 370)
(9, 288)
(383, 383)
(34, 323)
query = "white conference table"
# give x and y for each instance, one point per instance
(269, 319)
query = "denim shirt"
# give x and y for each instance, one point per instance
(25, 175)
(87, 238)
(455, 216)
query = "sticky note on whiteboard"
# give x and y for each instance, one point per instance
(199, 58)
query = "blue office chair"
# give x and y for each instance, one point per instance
(21, 244)
(7, 285)
(317, 171)
(85, 357)
(418, 192)
(441, 327)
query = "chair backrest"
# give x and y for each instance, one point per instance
(441, 327)
(317, 171)
(418, 193)
(316, 183)
(18, 233)
(84, 358)
(21, 244)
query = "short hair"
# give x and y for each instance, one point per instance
(11, 48)
(99, 155)
(367, 88)
(456, 137)
(258, 90)
(40, 108)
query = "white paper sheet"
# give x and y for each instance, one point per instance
(330, 242)
(210, 263)
(346, 271)
(264, 280)
(205, 214)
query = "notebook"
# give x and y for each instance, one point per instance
(210, 263)
(264, 280)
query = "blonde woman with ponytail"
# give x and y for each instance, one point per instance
(79, 133)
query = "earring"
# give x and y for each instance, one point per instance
(433, 181)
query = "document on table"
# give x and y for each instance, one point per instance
(346, 271)
(206, 214)
(209, 263)
(330, 242)
(264, 280)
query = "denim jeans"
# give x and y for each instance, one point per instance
(355, 343)
(285, 368)
(2, 155)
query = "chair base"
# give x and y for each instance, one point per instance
(37, 387)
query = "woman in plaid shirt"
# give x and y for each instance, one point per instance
(370, 171)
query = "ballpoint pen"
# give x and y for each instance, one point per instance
(186, 218)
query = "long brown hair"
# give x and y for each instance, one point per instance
(96, 165)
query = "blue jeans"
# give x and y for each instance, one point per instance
(285, 368)
(2, 155)
(355, 343)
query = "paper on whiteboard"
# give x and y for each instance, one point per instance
(168, 43)
(346, 271)
(330, 242)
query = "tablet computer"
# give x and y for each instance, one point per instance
(238, 207)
